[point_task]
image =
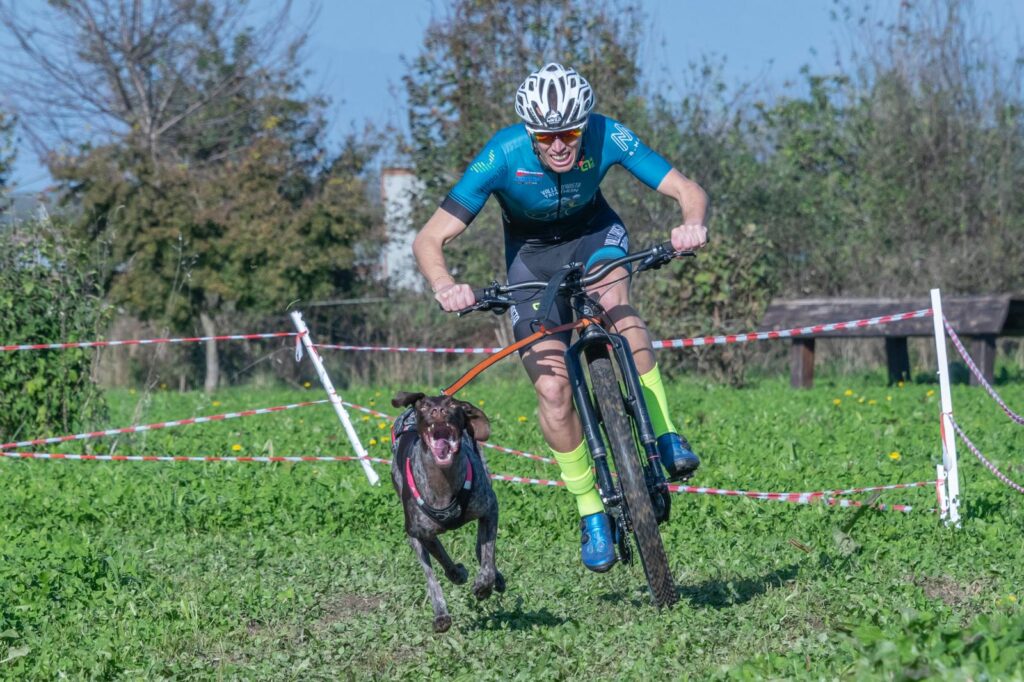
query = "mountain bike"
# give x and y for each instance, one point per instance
(609, 399)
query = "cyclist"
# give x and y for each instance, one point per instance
(545, 174)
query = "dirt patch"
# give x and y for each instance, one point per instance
(950, 592)
(346, 605)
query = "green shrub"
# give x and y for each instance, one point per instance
(47, 295)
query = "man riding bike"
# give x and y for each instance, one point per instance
(545, 174)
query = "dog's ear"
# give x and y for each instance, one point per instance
(405, 399)
(477, 423)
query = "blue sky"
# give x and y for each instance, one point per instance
(356, 48)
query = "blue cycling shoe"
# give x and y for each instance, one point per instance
(676, 455)
(597, 545)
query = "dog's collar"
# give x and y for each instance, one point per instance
(454, 511)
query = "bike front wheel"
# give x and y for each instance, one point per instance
(631, 479)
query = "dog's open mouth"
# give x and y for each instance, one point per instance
(443, 441)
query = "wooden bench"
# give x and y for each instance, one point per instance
(981, 319)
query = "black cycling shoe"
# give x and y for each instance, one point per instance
(677, 457)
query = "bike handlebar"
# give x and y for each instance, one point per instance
(494, 298)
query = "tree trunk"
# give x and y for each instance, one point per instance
(212, 364)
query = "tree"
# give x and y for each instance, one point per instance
(203, 172)
(7, 153)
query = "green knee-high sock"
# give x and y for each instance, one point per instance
(579, 478)
(657, 403)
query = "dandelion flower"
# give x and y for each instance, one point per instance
(366, 417)
(872, 402)
(373, 441)
(480, 403)
(860, 400)
(889, 398)
(899, 384)
(895, 456)
(236, 447)
(306, 384)
(1012, 598)
(848, 392)
(378, 394)
(382, 425)
(521, 419)
(837, 402)
(131, 391)
(930, 393)
(216, 403)
(372, 403)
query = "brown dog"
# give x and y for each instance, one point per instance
(444, 484)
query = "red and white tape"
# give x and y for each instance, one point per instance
(981, 458)
(144, 342)
(158, 425)
(978, 375)
(671, 343)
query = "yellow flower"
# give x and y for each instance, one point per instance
(899, 384)
(930, 393)
(837, 402)
(872, 402)
(894, 456)
(860, 399)
(236, 447)
(366, 417)
(889, 398)
(216, 403)
(131, 391)
(372, 403)
(382, 425)
(521, 419)
(378, 394)
(373, 441)
(848, 392)
(306, 384)
(480, 403)
(1011, 598)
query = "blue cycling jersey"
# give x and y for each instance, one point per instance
(538, 203)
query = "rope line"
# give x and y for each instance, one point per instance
(144, 342)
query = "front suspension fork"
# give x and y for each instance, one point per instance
(592, 344)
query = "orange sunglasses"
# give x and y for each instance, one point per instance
(565, 136)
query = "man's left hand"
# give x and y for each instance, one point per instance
(689, 237)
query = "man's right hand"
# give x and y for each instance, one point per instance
(455, 297)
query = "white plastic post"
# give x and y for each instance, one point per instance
(940, 492)
(946, 426)
(361, 453)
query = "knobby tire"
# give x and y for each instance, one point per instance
(631, 480)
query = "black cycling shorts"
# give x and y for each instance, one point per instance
(602, 237)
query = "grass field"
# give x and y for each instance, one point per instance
(254, 571)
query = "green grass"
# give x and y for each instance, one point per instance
(252, 571)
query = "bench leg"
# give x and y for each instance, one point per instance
(898, 359)
(801, 363)
(983, 350)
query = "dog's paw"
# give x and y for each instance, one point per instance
(481, 589)
(458, 576)
(499, 582)
(442, 623)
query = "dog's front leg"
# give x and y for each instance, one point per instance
(457, 573)
(489, 578)
(442, 620)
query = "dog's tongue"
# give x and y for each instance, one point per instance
(441, 448)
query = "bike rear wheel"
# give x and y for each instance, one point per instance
(631, 479)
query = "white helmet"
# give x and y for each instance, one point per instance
(554, 98)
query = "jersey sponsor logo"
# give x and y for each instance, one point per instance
(567, 188)
(623, 138)
(513, 314)
(526, 177)
(585, 165)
